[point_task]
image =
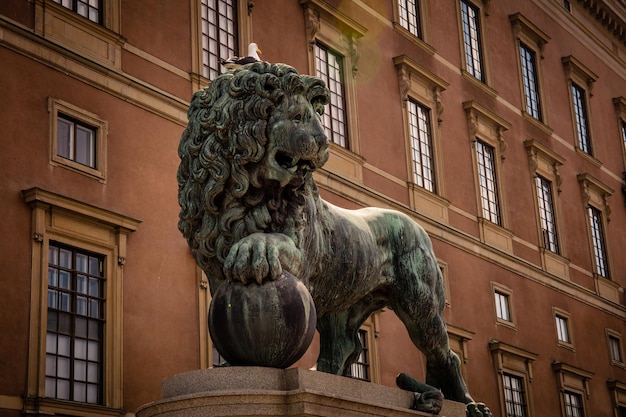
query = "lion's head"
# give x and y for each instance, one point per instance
(247, 155)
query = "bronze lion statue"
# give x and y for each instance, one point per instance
(250, 208)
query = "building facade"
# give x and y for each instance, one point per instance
(500, 127)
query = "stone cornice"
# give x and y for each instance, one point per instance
(610, 13)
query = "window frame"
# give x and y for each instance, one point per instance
(58, 108)
(508, 402)
(571, 379)
(560, 315)
(515, 361)
(481, 9)
(580, 77)
(426, 88)
(71, 222)
(620, 362)
(529, 36)
(507, 294)
(546, 163)
(340, 33)
(489, 128)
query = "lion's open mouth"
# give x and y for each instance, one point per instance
(294, 164)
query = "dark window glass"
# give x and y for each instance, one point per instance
(409, 16)
(421, 145)
(531, 83)
(76, 141)
(91, 9)
(546, 214)
(75, 329)
(329, 67)
(487, 182)
(514, 396)
(470, 16)
(219, 34)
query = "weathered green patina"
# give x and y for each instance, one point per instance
(250, 208)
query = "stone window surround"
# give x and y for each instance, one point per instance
(614, 334)
(56, 106)
(425, 87)
(339, 32)
(72, 222)
(485, 125)
(515, 361)
(572, 379)
(508, 292)
(531, 36)
(558, 312)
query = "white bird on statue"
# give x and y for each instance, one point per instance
(236, 62)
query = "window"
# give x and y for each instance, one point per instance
(580, 83)
(502, 306)
(421, 91)
(78, 253)
(614, 342)
(545, 202)
(573, 404)
(596, 225)
(75, 331)
(581, 118)
(618, 396)
(562, 332)
(573, 383)
(544, 169)
(333, 56)
(514, 396)
(513, 366)
(219, 31)
(488, 184)
(567, 6)
(329, 67)
(472, 42)
(503, 301)
(77, 139)
(421, 145)
(360, 369)
(486, 134)
(529, 78)
(530, 41)
(409, 16)
(91, 9)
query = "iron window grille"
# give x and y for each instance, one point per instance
(514, 396)
(573, 404)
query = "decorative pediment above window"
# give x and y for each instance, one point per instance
(595, 192)
(526, 30)
(575, 70)
(483, 122)
(324, 21)
(544, 161)
(415, 80)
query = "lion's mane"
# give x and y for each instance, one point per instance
(220, 186)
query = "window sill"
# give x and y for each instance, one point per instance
(555, 264)
(495, 235)
(538, 123)
(428, 203)
(590, 158)
(414, 39)
(469, 77)
(345, 163)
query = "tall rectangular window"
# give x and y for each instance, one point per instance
(546, 214)
(360, 369)
(421, 145)
(91, 9)
(598, 242)
(219, 34)
(573, 404)
(470, 18)
(329, 67)
(514, 396)
(408, 11)
(581, 118)
(75, 329)
(615, 349)
(76, 141)
(490, 201)
(503, 311)
(623, 126)
(530, 81)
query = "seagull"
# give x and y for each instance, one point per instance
(236, 62)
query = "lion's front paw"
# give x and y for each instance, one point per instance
(478, 410)
(429, 401)
(260, 257)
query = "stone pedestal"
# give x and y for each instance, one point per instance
(256, 391)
